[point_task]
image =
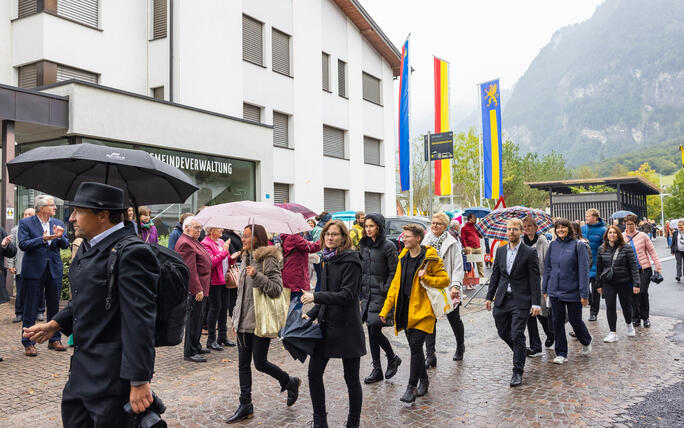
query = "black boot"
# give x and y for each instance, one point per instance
(292, 390)
(320, 421)
(245, 411)
(410, 395)
(423, 385)
(374, 376)
(430, 361)
(353, 422)
(458, 356)
(392, 366)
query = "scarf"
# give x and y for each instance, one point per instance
(329, 253)
(436, 241)
(147, 225)
(530, 242)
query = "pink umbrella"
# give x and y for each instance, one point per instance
(237, 215)
(297, 208)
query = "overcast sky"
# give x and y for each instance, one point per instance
(482, 40)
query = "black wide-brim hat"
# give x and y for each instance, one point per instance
(98, 196)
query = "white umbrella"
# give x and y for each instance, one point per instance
(237, 215)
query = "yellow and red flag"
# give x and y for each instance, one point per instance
(442, 167)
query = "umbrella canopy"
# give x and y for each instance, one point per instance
(237, 215)
(480, 212)
(494, 224)
(297, 208)
(59, 170)
(300, 335)
(621, 214)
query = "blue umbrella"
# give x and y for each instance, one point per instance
(621, 214)
(479, 212)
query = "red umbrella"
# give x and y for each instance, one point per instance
(297, 208)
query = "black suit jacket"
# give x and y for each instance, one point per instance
(111, 348)
(524, 278)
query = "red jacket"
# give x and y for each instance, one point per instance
(296, 251)
(198, 261)
(217, 254)
(470, 237)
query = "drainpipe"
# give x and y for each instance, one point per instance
(171, 50)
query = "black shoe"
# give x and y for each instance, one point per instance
(196, 359)
(647, 324)
(423, 385)
(40, 317)
(430, 361)
(392, 366)
(636, 323)
(549, 342)
(410, 395)
(533, 353)
(0, 358)
(352, 423)
(226, 342)
(320, 421)
(677, 279)
(205, 351)
(17, 319)
(572, 333)
(245, 411)
(592, 317)
(374, 376)
(292, 390)
(215, 346)
(458, 356)
(516, 380)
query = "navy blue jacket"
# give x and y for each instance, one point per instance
(566, 270)
(37, 253)
(594, 234)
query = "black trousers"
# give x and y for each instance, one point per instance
(251, 346)
(232, 300)
(679, 257)
(34, 289)
(454, 318)
(377, 340)
(624, 292)
(574, 312)
(594, 298)
(107, 412)
(533, 330)
(317, 364)
(416, 339)
(510, 324)
(640, 304)
(193, 327)
(218, 313)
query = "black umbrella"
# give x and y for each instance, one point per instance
(300, 335)
(58, 171)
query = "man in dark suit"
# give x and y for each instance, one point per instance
(514, 288)
(113, 357)
(40, 238)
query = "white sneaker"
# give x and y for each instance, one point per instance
(612, 337)
(630, 330)
(586, 350)
(559, 359)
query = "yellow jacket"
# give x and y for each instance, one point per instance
(420, 314)
(356, 233)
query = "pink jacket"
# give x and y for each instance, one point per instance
(644, 248)
(217, 254)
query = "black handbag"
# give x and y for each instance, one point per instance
(607, 274)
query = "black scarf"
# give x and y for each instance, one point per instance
(530, 242)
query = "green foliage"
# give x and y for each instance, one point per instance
(164, 240)
(664, 158)
(465, 168)
(674, 204)
(66, 263)
(652, 201)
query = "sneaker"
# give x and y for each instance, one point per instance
(592, 317)
(612, 337)
(534, 353)
(630, 330)
(677, 279)
(586, 349)
(647, 324)
(637, 323)
(549, 342)
(559, 359)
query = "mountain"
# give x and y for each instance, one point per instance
(604, 87)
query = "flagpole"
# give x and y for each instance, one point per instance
(480, 161)
(410, 71)
(451, 161)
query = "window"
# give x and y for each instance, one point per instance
(373, 202)
(158, 93)
(28, 76)
(371, 151)
(251, 112)
(342, 78)
(252, 40)
(83, 11)
(333, 142)
(281, 52)
(326, 72)
(333, 200)
(281, 130)
(371, 89)
(68, 73)
(158, 19)
(27, 8)
(281, 193)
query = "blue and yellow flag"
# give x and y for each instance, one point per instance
(490, 100)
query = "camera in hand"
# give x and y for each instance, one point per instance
(150, 418)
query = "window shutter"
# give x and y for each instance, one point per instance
(281, 52)
(333, 200)
(281, 193)
(342, 78)
(371, 151)
(371, 88)
(326, 71)
(280, 130)
(251, 112)
(159, 19)
(83, 11)
(28, 76)
(67, 73)
(252, 40)
(373, 202)
(333, 142)
(27, 8)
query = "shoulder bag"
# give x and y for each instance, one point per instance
(607, 274)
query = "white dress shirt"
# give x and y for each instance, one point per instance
(46, 228)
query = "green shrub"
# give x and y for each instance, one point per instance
(164, 240)
(66, 262)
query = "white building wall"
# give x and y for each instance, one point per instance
(7, 12)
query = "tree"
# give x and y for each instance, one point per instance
(652, 201)
(465, 169)
(674, 204)
(419, 170)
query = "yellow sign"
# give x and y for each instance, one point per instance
(681, 149)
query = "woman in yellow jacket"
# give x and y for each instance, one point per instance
(412, 308)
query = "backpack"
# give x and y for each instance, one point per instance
(172, 290)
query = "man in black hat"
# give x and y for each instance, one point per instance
(113, 357)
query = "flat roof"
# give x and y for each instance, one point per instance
(633, 184)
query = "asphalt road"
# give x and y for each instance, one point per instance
(667, 297)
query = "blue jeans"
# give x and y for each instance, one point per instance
(33, 289)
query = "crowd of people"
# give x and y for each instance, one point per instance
(339, 277)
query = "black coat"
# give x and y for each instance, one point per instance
(111, 348)
(337, 307)
(9, 251)
(524, 278)
(379, 264)
(625, 270)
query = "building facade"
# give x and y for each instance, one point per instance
(285, 100)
